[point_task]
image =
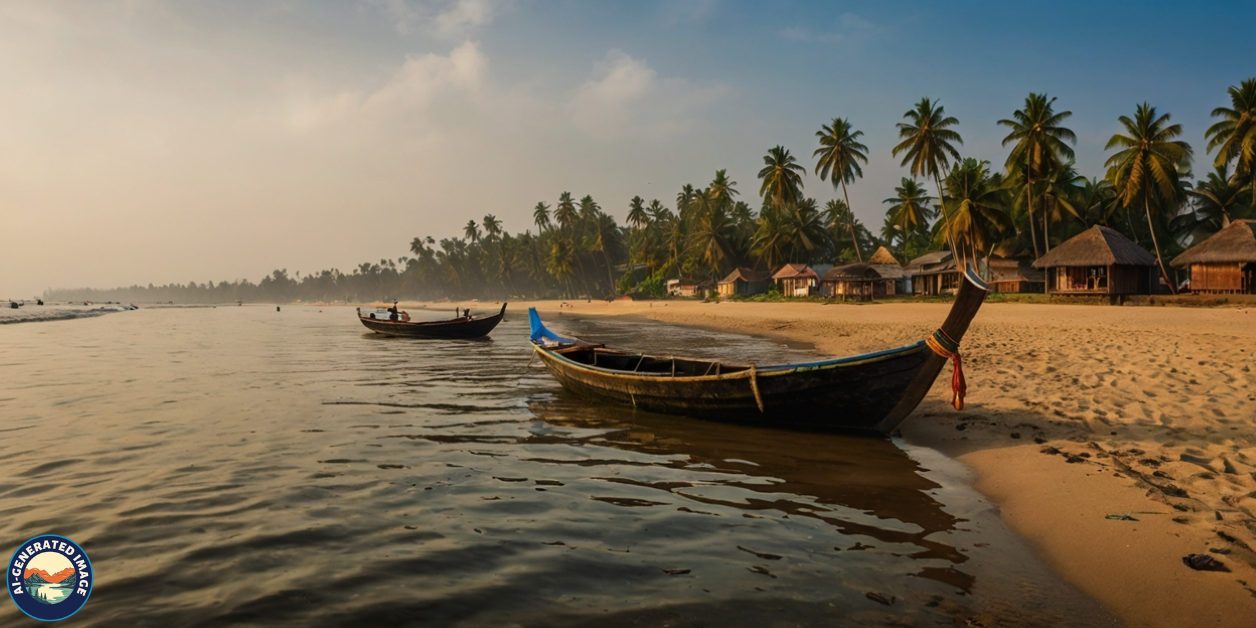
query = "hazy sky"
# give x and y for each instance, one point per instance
(146, 141)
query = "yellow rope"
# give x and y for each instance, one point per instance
(754, 386)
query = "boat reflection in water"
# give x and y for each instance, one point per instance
(837, 524)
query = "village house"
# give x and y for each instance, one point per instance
(933, 274)
(683, 288)
(1224, 263)
(796, 280)
(1015, 275)
(743, 281)
(1098, 261)
(861, 282)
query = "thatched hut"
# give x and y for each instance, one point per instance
(1098, 261)
(933, 274)
(796, 280)
(861, 282)
(743, 281)
(883, 257)
(1224, 263)
(1015, 275)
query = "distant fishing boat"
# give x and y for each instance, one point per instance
(873, 391)
(394, 322)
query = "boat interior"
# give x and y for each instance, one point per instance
(594, 355)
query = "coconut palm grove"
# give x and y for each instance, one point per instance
(1151, 193)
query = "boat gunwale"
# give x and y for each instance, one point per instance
(751, 369)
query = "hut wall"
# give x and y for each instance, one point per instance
(936, 284)
(797, 287)
(1219, 277)
(741, 286)
(1129, 280)
(854, 289)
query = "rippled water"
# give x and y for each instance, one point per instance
(242, 466)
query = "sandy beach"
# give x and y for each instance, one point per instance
(1074, 413)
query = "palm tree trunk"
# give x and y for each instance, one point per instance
(1046, 231)
(610, 276)
(946, 217)
(858, 254)
(1159, 259)
(1029, 207)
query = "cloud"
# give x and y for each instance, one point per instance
(443, 17)
(628, 98)
(849, 28)
(420, 84)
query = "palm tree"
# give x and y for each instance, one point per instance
(782, 178)
(684, 199)
(909, 209)
(589, 209)
(770, 242)
(804, 229)
(1235, 134)
(541, 216)
(565, 212)
(1095, 199)
(605, 238)
(977, 204)
(658, 211)
(840, 153)
(712, 236)
(561, 262)
(839, 218)
(472, 231)
(1147, 165)
(637, 216)
(1060, 187)
(492, 227)
(1039, 147)
(927, 142)
(1216, 201)
(722, 190)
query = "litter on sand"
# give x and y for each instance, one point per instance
(1204, 562)
(1121, 517)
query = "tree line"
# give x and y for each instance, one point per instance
(1035, 201)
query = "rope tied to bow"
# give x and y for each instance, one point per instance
(944, 346)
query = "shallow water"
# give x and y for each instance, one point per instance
(242, 466)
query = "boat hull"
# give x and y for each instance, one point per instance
(455, 329)
(857, 395)
(875, 391)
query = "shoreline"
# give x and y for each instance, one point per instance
(1073, 414)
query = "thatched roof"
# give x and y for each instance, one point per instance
(1096, 246)
(882, 256)
(1234, 244)
(1014, 269)
(927, 260)
(889, 271)
(794, 271)
(744, 274)
(847, 272)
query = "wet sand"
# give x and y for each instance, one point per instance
(1075, 413)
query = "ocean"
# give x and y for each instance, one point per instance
(246, 466)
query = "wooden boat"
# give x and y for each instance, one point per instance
(460, 327)
(873, 391)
